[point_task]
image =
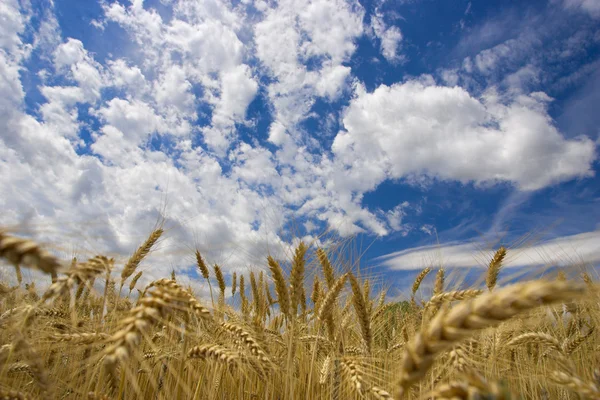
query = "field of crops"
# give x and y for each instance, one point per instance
(308, 328)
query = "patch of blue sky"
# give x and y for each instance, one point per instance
(370, 67)
(323, 123)
(90, 124)
(259, 118)
(445, 211)
(76, 20)
(161, 7)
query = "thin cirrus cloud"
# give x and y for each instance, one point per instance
(563, 251)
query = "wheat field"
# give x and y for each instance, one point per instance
(310, 328)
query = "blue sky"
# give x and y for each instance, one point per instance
(432, 131)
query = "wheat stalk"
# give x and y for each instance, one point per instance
(438, 287)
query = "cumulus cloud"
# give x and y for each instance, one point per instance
(113, 194)
(390, 37)
(193, 49)
(294, 32)
(72, 59)
(419, 128)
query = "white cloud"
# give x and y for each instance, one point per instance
(254, 165)
(418, 128)
(395, 215)
(173, 93)
(390, 37)
(590, 6)
(293, 33)
(60, 112)
(135, 118)
(238, 89)
(199, 46)
(114, 192)
(130, 78)
(561, 251)
(331, 25)
(237, 92)
(198, 11)
(332, 81)
(82, 68)
(13, 23)
(210, 46)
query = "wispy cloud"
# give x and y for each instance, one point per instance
(559, 251)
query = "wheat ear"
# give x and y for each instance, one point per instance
(362, 312)
(281, 289)
(135, 280)
(139, 255)
(331, 297)
(570, 345)
(453, 296)
(12, 395)
(536, 337)
(214, 351)
(417, 284)
(297, 277)
(316, 294)
(25, 252)
(327, 268)
(325, 368)
(79, 274)
(586, 389)
(233, 283)
(220, 279)
(462, 321)
(472, 386)
(494, 268)
(247, 339)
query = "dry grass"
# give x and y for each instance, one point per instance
(81, 339)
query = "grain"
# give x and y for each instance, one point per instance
(494, 268)
(19, 251)
(140, 253)
(447, 329)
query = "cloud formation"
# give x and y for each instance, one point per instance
(111, 141)
(562, 251)
(419, 128)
